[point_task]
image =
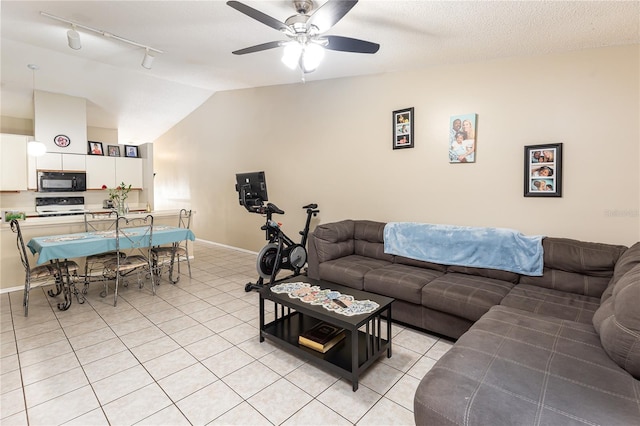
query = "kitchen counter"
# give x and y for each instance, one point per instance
(33, 220)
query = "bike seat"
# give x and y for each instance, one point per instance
(274, 209)
(310, 206)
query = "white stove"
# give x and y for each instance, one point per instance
(58, 206)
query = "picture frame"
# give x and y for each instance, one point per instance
(402, 128)
(463, 138)
(113, 150)
(543, 170)
(95, 148)
(131, 151)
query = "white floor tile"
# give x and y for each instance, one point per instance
(189, 355)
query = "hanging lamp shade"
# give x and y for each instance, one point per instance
(36, 149)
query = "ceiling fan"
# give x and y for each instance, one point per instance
(306, 44)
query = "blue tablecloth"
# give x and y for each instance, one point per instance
(69, 246)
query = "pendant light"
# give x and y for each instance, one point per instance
(35, 148)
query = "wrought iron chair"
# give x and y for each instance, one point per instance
(134, 238)
(52, 273)
(94, 264)
(179, 251)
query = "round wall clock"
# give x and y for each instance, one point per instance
(62, 141)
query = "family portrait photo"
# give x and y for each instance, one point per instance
(95, 148)
(542, 170)
(402, 124)
(462, 138)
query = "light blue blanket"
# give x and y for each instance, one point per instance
(492, 248)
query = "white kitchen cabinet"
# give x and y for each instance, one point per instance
(13, 162)
(56, 161)
(49, 161)
(74, 162)
(129, 171)
(101, 171)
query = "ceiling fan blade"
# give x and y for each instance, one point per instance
(346, 44)
(327, 15)
(258, 47)
(257, 15)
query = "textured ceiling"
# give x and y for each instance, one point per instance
(197, 38)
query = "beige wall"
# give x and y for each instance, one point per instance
(329, 142)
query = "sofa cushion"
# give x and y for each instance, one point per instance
(618, 322)
(369, 240)
(576, 266)
(466, 296)
(399, 281)
(514, 368)
(419, 263)
(629, 259)
(349, 270)
(558, 304)
(512, 277)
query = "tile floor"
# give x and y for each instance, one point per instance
(188, 356)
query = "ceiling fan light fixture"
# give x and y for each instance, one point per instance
(291, 54)
(311, 57)
(73, 38)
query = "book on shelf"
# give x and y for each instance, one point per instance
(322, 337)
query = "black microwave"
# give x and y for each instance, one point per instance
(62, 181)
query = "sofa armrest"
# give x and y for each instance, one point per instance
(327, 242)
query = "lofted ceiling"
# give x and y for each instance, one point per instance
(197, 38)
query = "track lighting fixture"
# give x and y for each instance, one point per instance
(73, 38)
(147, 61)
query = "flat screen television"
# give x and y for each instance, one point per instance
(252, 189)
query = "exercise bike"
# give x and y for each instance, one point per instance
(281, 252)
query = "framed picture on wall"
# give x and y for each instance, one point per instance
(543, 170)
(131, 151)
(95, 148)
(462, 138)
(402, 128)
(113, 150)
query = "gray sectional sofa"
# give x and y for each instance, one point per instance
(562, 348)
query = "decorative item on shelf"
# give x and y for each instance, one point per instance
(113, 150)
(119, 195)
(131, 151)
(322, 337)
(95, 148)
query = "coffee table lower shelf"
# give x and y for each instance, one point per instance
(340, 359)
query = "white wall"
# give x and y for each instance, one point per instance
(58, 114)
(330, 142)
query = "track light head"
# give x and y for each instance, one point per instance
(73, 38)
(147, 61)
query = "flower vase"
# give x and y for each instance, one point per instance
(121, 208)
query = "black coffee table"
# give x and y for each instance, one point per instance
(349, 358)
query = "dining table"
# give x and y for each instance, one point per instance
(54, 248)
